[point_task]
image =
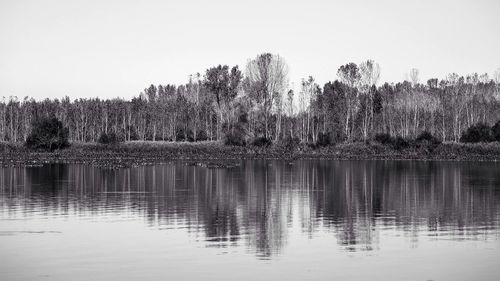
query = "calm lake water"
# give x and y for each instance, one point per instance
(261, 220)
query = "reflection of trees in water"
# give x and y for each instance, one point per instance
(260, 202)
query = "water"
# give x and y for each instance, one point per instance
(261, 220)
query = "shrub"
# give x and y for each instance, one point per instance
(182, 134)
(479, 132)
(262, 142)
(384, 139)
(289, 144)
(427, 138)
(201, 136)
(323, 139)
(133, 133)
(110, 138)
(48, 134)
(400, 143)
(396, 142)
(495, 131)
(234, 138)
(337, 136)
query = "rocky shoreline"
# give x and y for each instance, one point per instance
(216, 155)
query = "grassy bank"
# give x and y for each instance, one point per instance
(141, 153)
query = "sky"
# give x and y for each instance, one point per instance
(107, 49)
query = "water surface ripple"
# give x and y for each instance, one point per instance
(260, 220)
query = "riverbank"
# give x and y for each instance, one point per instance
(217, 154)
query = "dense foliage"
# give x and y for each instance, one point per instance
(258, 103)
(427, 138)
(261, 142)
(108, 138)
(48, 134)
(495, 131)
(234, 138)
(477, 133)
(384, 138)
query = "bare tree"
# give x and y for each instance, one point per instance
(349, 75)
(289, 110)
(267, 78)
(369, 75)
(496, 78)
(193, 96)
(416, 98)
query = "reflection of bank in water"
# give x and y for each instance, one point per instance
(261, 204)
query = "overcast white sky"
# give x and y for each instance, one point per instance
(54, 48)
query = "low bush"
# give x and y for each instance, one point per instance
(201, 136)
(495, 131)
(400, 143)
(131, 132)
(289, 144)
(234, 138)
(323, 139)
(337, 135)
(109, 138)
(427, 138)
(9, 147)
(385, 139)
(262, 142)
(48, 134)
(479, 132)
(184, 135)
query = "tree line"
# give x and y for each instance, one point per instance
(258, 102)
